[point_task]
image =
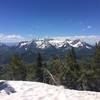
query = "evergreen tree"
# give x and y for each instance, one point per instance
(31, 72)
(17, 68)
(96, 60)
(71, 58)
(46, 74)
(90, 72)
(72, 70)
(85, 72)
(96, 56)
(57, 70)
(95, 80)
(39, 69)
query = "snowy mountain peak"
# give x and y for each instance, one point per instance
(43, 44)
(55, 43)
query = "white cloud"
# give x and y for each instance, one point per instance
(11, 38)
(89, 27)
(17, 38)
(87, 38)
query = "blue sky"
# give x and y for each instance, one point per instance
(49, 18)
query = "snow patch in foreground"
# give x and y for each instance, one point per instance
(40, 91)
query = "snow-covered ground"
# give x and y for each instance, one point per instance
(22, 90)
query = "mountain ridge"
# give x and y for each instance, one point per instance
(47, 47)
(56, 43)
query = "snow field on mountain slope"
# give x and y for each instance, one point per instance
(40, 91)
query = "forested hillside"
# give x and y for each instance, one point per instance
(81, 73)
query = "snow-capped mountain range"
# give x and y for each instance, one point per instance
(56, 43)
(47, 47)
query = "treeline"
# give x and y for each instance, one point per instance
(68, 71)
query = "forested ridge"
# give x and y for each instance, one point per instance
(73, 73)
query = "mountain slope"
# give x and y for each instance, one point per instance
(40, 91)
(47, 47)
(55, 43)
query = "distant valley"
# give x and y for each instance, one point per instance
(47, 47)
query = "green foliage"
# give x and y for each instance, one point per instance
(39, 69)
(31, 72)
(57, 70)
(81, 74)
(17, 68)
(96, 56)
(96, 68)
(71, 57)
(71, 70)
